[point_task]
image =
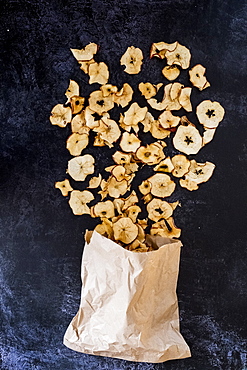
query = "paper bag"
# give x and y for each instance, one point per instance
(129, 307)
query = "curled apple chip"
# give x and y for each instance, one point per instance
(170, 100)
(129, 142)
(124, 96)
(104, 209)
(145, 187)
(105, 228)
(197, 77)
(76, 143)
(147, 198)
(209, 113)
(94, 182)
(159, 49)
(85, 54)
(164, 166)
(208, 135)
(125, 230)
(197, 174)
(108, 89)
(181, 165)
(171, 72)
(99, 103)
(158, 209)
(180, 56)
(184, 98)
(151, 154)
(77, 103)
(78, 124)
(130, 200)
(166, 229)
(168, 120)
(119, 172)
(187, 139)
(80, 167)
(72, 90)
(60, 115)
(147, 89)
(84, 65)
(161, 185)
(98, 73)
(147, 122)
(137, 247)
(132, 60)
(132, 212)
(158, 131)
(93, 119)
(64, 186)
(78, 201)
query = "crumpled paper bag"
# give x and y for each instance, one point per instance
(129, 307)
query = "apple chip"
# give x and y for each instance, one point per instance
(198, 173)
(125, 230)
(164, 166)
(166, 229)
(64, 186)
(108, 89)
(181, 165)
(147, 122)
(187, 139)
(108, 130)
(158, 209)
(124, 96)
(72, 90)
(159, 49)
(84, 66)
(180, 56)
(116, 188)
(161, 185)
(209, 113)
(104, 209)
(147, 89)
(93, 119)
(158, 131)
(121, 158)
(80, 167)
(132, 212)
(76, 143)
(60, 115)
(137, 246)
(78, 124)
(129, 142)
(145, 187)
(77, 103)
(134, 115)
(170, 100)
(98, 73)
(100, 104)
(130, 200)
(208, 135)
(147, 198)
(78, 201)
(171, 72)
(184, 98)
(119, 172)
(105, 228)
(98, 141)
(85, 54)
(94, 182)
(151, 154)
(197, 77)
(132, 60)
(168, 120)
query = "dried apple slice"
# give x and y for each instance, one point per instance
(98, 73)
(147, 122)
(159, 49)
(171, 72)
(147, 198)
(134, 114)
(209, 113)
(159, 132)
(151, 154)
(197, 77)
(147, 89)
(130, 200)
(80, 167)
(168, 120)
(108, 130)
(77, 103)
(105, 228)
(181, 165)
(104, 209)
(208, 135)
(180, 56)
(125, 230)
(108, 89)
(78, 124)
(64, 186)
(94, 182)
(116, 188)
(132, 60)
(129, 142)
(76, 143)
(187, 139)
(166, 229)
(78, 201)
(164, 166)
(85, 54)
(145, 187)
(184, 98)
(99, 103)
(161, 185)
(158, 209)
(132, 212)
(198, 173)
(72, 90)
(84, 66)
(124, 96)
(60, 115)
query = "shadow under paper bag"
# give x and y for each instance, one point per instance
(129, 307)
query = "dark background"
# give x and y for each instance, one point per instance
(42, 241)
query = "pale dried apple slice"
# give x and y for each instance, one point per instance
(76, 143)
(181, 165)
(99, 103)
(161, 185)
(159, 132)
(124, 96)
(121, 158)
(197, 77)
(93, 119)
(84, 66)
(147, 89)
(78, 201)
(198, 172)
(180, 56)
(145, 187)
(168, 120)
(147, 198)
(151, 154)
(171, 72)
(129, 142)
(166, 229)
(105, 228)
(104, 209)
(78, 124)
(147, 122)
(72, 90)
(117, 188)
(134, 114)
(98, 73)
(187, 139)
(164, 166)
(130, 200)
(94, 182)
(80, 167)
(184, 98)
(158, 209)
(119, 172)
(64, 186)
(132, 212)
(125, 230)
(60, 115)
(108, 89)
(132, 60)
(209, 113)
(109, 130)
(208, 135)
(159, 49)
(85, 54)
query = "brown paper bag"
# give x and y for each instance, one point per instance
(129, 307)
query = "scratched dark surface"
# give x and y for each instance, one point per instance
(42, 241)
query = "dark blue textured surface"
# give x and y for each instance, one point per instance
(41, 240)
